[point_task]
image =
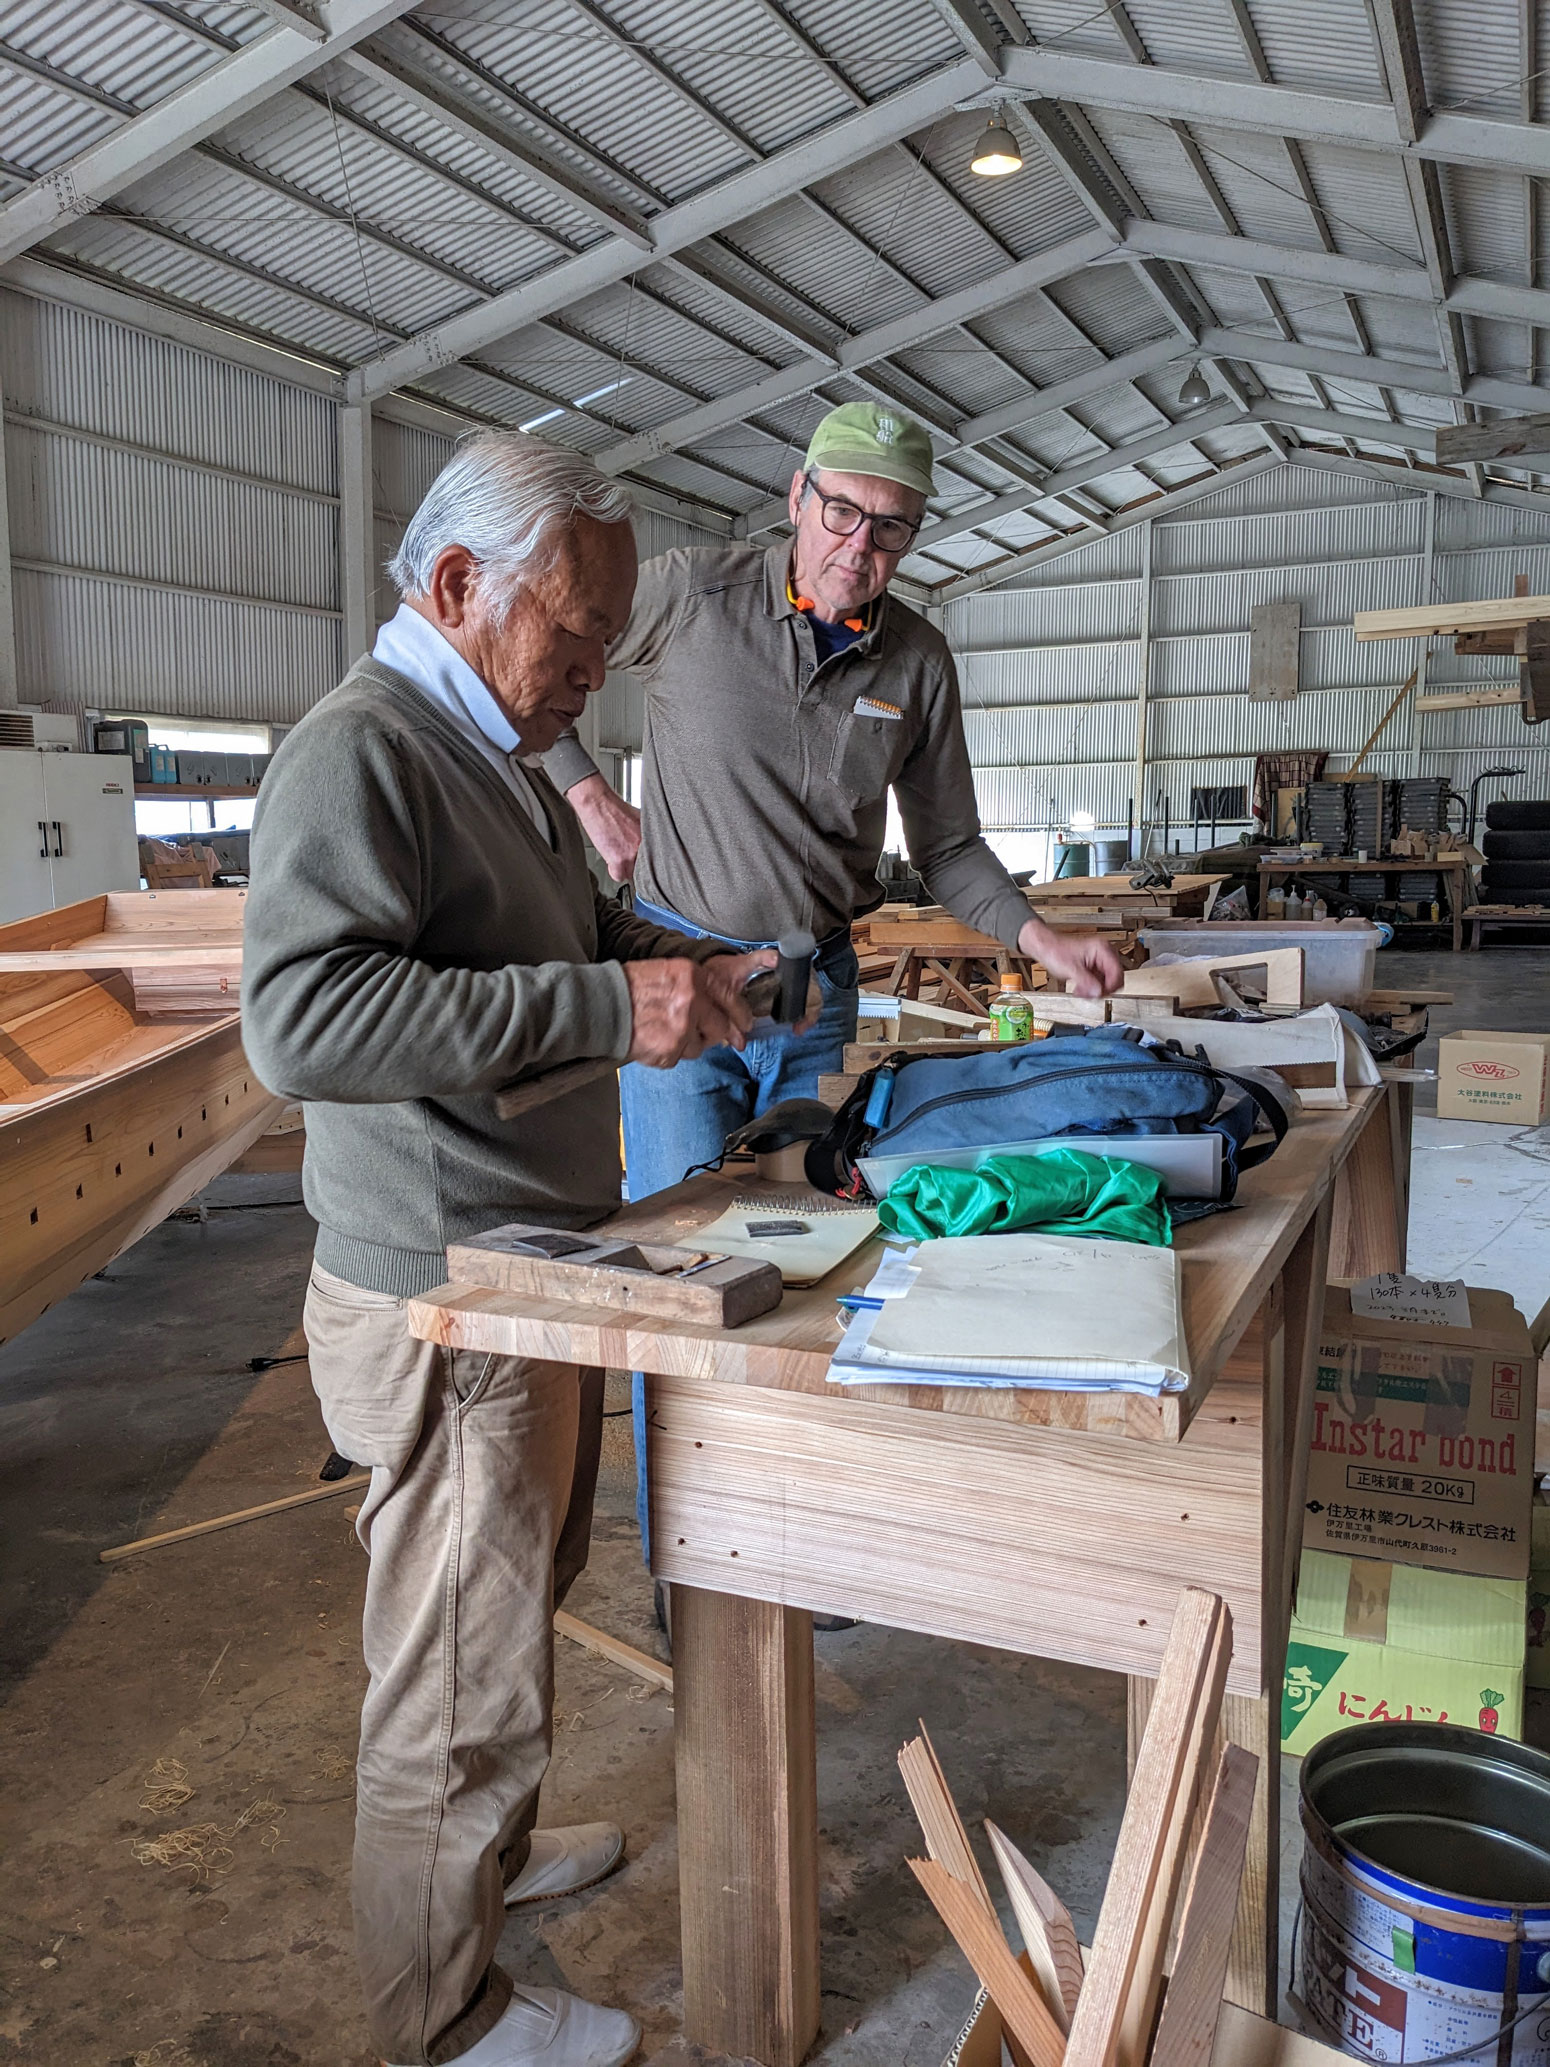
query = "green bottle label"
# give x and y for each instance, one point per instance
(1013, 1018)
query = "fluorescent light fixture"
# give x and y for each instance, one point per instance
(610, 387)
(996, 154)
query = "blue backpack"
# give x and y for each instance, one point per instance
(1091, 1082)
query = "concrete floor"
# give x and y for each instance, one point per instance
(235, 1658)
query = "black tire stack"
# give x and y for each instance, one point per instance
(1517, 852)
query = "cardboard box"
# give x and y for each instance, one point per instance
(1377, 1642)
(1493, 1076)
(1423, 1439)
(1537, 1661)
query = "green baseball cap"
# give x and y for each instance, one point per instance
(870, 438)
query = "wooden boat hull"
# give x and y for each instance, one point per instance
(180, 949)
(109, 1119)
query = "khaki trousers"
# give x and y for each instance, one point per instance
(477, 1520)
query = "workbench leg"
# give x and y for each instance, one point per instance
(1368, 1235)
(1293, 1317)
(1455, 882)
(747, 1825)
(1401, 1132)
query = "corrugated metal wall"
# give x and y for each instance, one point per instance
(173, 523)
(1050, 664)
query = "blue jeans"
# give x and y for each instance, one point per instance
(676, 1118)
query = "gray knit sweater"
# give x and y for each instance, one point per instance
(412, 946)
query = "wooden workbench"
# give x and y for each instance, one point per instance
(1453, 868)
(1057, 1524)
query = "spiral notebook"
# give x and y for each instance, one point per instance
(830, 1233)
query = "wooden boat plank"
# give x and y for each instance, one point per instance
(124, 951)
(110, 1114)
(86, 1171)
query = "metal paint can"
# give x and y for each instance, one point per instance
(1425, 1930)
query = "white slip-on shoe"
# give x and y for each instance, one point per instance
(560, 1862)
(545, 2027)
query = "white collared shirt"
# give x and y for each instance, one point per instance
(411, 645)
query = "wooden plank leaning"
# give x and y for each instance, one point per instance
(947, 1840)
(1024, 2015)
(1186, 2031)
(1049, 1936)
(1113, 2021)
(952, 1879)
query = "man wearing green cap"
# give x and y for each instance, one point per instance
(786, 693)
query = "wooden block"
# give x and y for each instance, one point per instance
(1023, 2013)
(1112, 2024)
(1192, 982)
(619, 1274)
(1274, 630)
(1049, 1936)
(1186, 2031)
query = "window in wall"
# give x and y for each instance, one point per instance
(622, 769)
(195, 736)
(155, 817)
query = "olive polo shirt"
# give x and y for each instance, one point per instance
(766, 770)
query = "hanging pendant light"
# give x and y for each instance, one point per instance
(996, 154)
(1196, 389)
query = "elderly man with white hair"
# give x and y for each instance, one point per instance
(422, 931)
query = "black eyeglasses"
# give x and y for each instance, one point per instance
(888, 534)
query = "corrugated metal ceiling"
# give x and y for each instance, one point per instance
(341, 216)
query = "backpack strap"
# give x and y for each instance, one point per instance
(1270, 1107)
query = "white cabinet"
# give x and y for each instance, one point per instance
(67, 829)
(26, 877)
(90, 816)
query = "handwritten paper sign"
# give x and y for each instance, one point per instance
(1427, 1302)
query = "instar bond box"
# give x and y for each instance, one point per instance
(1423, 1434)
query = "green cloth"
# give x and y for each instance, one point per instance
(1065, 1192)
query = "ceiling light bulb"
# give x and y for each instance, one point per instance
(996, 154)
(1195, 390)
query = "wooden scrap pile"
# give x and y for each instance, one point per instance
(907, 947)
(1120, 2011)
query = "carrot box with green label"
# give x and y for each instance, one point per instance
(1377, 1642)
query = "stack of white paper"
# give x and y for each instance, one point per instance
(1058, 1312)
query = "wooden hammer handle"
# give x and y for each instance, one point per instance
(517, 1099)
